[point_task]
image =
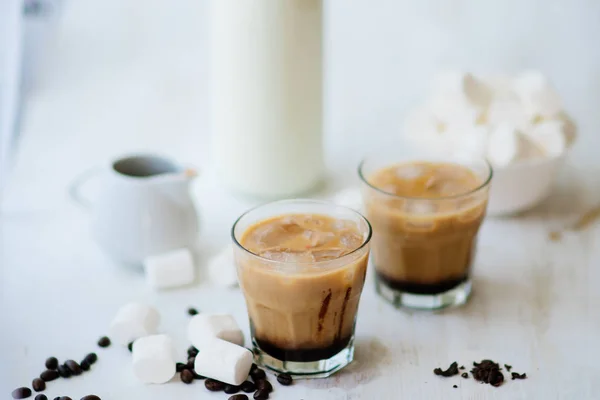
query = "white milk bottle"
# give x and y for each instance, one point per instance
(266, 61)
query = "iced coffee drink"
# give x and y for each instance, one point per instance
(302, 265)
(425, 218)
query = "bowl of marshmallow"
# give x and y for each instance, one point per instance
(517, 122)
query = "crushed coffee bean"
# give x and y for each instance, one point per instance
(130, 347)
(51, 363)
(258, 374)
(263, 384)
(508, 367)
(49, 375)
(180, 367)
(192, 311)
(187, 376)
(64, 371)
(454, 386)
(231, 389)
(261, 394)
(91, 358)
(462, 367)
(465, 375)
(85, 365)
(104, 341)
(248, 387)
(285, 379)
(38, 385)
(21, 393)
(451, 371)
(213, 385)
(91, 397)
(74, 367)
(238, 397)
(516, 375)
(41, 397)
(190, 362)
(487, 371)
(192, 351)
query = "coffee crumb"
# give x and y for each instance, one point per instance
(508, 367)
(454, 386)
(192, 311)
(488, 371)
(465, 375)
(462, 367)
(516, 375)
(451, 371)
(555, 236)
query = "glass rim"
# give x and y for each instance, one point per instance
(306, 263)
(483, 185)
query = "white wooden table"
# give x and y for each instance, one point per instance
(536, 303)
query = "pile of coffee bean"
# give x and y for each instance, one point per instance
(486, 371)
(54, 370)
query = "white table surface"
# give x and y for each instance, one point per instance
(535, 306)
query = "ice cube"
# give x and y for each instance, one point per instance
(328, 254)
(282, 255)
(276, 235)
(351, 240)
(409, 172)
(420, 207)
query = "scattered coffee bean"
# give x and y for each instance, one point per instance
(198, 376)
(91, 397)
(130, 347)
(214, 386)
(21, 393)
(465, 375)
(192, 351)
(187, 376)
(248, 387)
(64, 371)
(261, 395)
(51, 363)
(38, 385)
(454, 386)
(263, 384)
(57, 398)
(85, 365)
(91, 358)
(65, 398)
(285, 379)
(104, 342)
(49, 375)
(180, 367)
(190, 362)
(516, 375)
(254, 367)
(192, 311)
(451, 371)
(258, 374)
(238, 397)
(41, 397)
(231, 389)
(508, 367)
(74, 367)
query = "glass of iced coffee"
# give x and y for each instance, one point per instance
(301, 266)
(425, 213)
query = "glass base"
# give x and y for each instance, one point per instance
(308, 369)
(454, 297)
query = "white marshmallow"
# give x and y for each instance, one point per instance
(222, 270)
(549, 137)
(349, 197)
(202, 328)
(537, 94)
(460, 84)
(224, 361)
(507, 111)
(450, 109)
(171, 269)
(503, 145)
(468, 142)
(153, 359)
(132, 321)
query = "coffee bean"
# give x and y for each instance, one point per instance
(213, 386)
(253, 368)
(258, 374)
(454, 386)
(49, 375)
(91, 397)
(130, 347)
(85, 365)
(263, 384)
(231, 389)
(261, 395)
(192, 311)
(65, 398)
(180, 367)
(91, 358)
(74, 367)
(38, 385)
(285, 379)
(21, 393)
(57, 398)
(192, 351)
(104, 341)
(41, 397)
(248, 387)
(198, 376)
(51, 363)
(187, 376)
(190, 362)
(64, 371)
(238, 397)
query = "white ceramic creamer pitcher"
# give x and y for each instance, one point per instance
(143, 208)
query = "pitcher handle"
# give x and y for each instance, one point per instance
(75, 187)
